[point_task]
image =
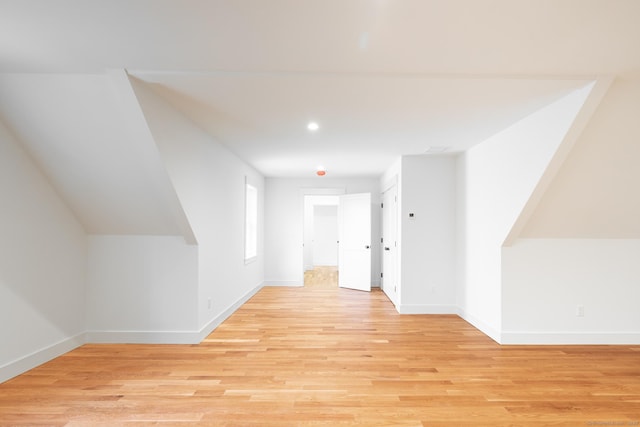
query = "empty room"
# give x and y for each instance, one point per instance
(319, 212)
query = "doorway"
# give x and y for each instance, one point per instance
(337, 241)
(321, 241)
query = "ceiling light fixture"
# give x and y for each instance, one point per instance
(313, 126)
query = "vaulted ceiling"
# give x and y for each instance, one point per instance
(383, 78)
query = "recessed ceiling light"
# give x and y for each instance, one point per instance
(313, 126)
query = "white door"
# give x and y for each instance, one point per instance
(389, 246)
(354, 236)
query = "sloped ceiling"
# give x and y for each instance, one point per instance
(383, 78)
(596, 192)
(83, 132)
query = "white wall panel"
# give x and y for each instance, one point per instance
(43, 257)
(428, 237)
(547, 282)
(210, 183)
(498, 177)
(141, 284)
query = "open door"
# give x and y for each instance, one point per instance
(354, 236)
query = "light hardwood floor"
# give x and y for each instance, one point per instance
(321, 277)
(305, 356)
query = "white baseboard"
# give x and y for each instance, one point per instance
(297, 283)
(570, 338)
(292, 283)
(217, 321)
(480, 325)
(426, 309)
(168, 337)
(37, 358)
(30, 361)
(142, 337)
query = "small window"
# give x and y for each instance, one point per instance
(251, 223)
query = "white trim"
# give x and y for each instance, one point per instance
(37, 358)
(480, 325)
(290, 283)
(426, 309)
(217, 321)
(570, 338)
(168, 337)
(393, 181)
(142, 337)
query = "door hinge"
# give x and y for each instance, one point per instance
(381, 274)
(382, 240)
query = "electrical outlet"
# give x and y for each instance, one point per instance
(580, 311)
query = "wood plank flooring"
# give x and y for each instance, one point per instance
(321, 277)
(338, 357)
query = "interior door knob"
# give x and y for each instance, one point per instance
(367, 247)
(386, 248)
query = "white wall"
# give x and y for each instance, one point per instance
(142, 289)
(210, 183)
(580, 245)
(284, 224)
(496, 179)
(42, 266)
(545, 280)
(325, 235)
(428, 255)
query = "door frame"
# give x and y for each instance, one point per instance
(312, 191)
(392, 294)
